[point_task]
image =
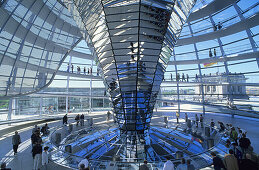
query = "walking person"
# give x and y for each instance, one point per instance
(215, 53)
(36, 154)
(77, 118)
(45, 158)
(168, 164)
(177, 116)
(187, 77)
(82, 119)
(16, 140)
(183, 77)
(65, 119)
(72, 68)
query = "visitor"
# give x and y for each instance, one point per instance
(219, 26)
(215, 53)
(183, 77)
(237, 151)
(212, 124)
(16, 140)
(233, 135)
(186, 117)
(168, 164)
(36, 154)
(228, 145)
(3, 166)
(72, 68)
(215, 27)
(35, 128)
(144, 166)
(187, 77)
(68, 67)
(201, 120)
(221, 126)
(196, 77)
(197, 120)
(108, 115)
(45, 158)
(85, 162)
(244, 143)
(210, 53)
(189, 165)
(177, 114)
(182, 166)
(247, 163)
(84, 70)
(45, 130)
(65, 119)
(35, 138)
(82, 167)
(77, 118)
(82, 119)
(230, 161)
(217, 162)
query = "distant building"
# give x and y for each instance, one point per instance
(222, 87)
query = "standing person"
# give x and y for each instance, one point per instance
(189, 165)
(233, 134)
(212, 124)
(35, 128)
(197, 120)
(45, 158)
(244, 143)
(210, 53)
(230, 161)
(77, 118)
(171, 75)
(45, 129)
(144, 166)
(16, 140)
(177, 114)
(68, 67)
(108, 115)
(201, 120)
(85, 162)
(82, 119)
(36, 154)
(215, 52)
(217, 162)
(34, 138)
(168, 164)
(84, 70)
(182, 166)
(72, 68)
(247, 163)
(186, 117)
(65, 119)
(237, 151)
